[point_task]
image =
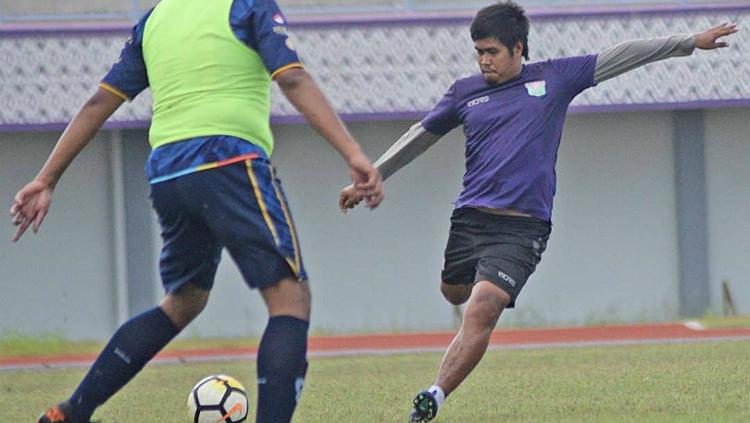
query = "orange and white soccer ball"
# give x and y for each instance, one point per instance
(217, 399)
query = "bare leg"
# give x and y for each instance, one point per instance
(184, 305)
(289, 297)
(486, 303)
(456, 295)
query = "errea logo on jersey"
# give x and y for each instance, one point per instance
(478, 101)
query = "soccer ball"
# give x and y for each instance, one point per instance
(217, 399)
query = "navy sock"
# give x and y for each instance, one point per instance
(135, 343)
(281, 368)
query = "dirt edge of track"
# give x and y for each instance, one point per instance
(378, 344)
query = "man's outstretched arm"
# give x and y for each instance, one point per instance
(303, 92)
(629, 55)
(33, 201)
(410, 146)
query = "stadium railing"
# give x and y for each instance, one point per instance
(87, 10)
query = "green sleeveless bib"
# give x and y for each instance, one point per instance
(204, 81)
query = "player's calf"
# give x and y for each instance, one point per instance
(281, 368)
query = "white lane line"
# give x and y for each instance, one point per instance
(693, 325)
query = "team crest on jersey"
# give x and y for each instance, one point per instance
(279, 19)
(536, 88)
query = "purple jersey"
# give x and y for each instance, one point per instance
(513, 132)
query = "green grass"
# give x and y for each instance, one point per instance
(712, 322)
(703, 382)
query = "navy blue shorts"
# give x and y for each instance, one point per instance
(241, 207)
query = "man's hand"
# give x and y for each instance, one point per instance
(303, 92)
(33, 201)
(707, 40)
(367, 180)
(348, 198)
(30, 207)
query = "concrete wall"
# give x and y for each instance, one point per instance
(59, 281)
(612, 255)
(728, 186)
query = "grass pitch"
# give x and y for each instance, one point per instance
(701, 382)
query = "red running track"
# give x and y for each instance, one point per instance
(437, 341)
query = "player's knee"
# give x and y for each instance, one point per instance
(481, 315)
(185, 304)
(486, 305)
(288, 297)
(298, 293)
(455, 294)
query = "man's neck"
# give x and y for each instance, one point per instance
(511, 76)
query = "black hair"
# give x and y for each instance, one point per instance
(506, 22)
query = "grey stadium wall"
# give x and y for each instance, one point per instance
(650, 216)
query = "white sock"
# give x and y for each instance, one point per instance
(438, 393)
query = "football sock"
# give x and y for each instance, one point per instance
(131, 347)
(438, 393)
(281, 368)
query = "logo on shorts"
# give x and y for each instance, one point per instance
(279, 19)
(507, 278)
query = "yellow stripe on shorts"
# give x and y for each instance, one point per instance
(289, 222)
(269, 221)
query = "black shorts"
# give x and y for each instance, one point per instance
(501, 249)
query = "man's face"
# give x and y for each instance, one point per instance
(496, 62)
